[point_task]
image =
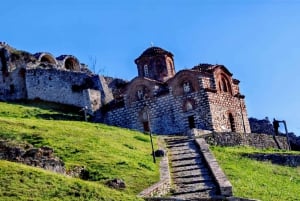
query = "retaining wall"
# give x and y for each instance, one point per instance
(262, 141)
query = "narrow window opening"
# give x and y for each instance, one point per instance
(186, 87)
(146, 71)
(224, 85)
(191, 120)
(146, 126)
(140, 94)
(231, 121)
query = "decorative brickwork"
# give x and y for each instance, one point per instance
(204, 97)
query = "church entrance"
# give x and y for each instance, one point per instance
(231, 121)
(146, 126)
(191, 120)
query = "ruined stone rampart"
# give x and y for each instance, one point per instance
(42, 76)
(12, 85)
(59, 86)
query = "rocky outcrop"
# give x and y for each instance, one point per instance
(116, 183)
(42, 157)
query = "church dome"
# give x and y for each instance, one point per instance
(154, 51)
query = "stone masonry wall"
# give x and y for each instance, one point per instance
(59, 86)
(221, 105)
(12, 84)
(262, 141)
(166, 114)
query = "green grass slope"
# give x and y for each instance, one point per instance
(256, 179)
(20, 182)
(106, 152)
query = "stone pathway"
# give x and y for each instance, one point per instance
(191, 178)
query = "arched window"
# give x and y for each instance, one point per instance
(224, 85)
(47, 59)
(71, 64)
(231, 121)
(146, 70)
(186, 87)
(140, 94)
(188, 106)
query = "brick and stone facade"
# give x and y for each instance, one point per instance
(205, 97)
(159, 99)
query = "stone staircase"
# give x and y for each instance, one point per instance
(191, 178)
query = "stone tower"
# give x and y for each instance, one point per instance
(156, 63)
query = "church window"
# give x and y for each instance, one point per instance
(188, 106)
(186, 87)
(146, 70)
(191, 121)
(224, 85)
(140, 94)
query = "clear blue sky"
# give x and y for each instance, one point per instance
(257, 40)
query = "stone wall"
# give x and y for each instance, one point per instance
(220, 177)
(221, 104)
(261, 126)
(12, 84)
(62, 87)
(262, 141)
(166, 114)
(40, 76)
(162, 187)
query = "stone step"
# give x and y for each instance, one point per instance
(191, 173)
(180, 150)
(199, 196)
(194, 156)
(191, 177)
(183, 152)
(181, 145)
(187, 168)
(192, 188)
(193, 181)
(187, 162)
(171, 141)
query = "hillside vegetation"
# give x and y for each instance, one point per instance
(255, 179)
(106, 152)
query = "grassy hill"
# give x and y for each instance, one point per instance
(106, 152)
(257, 179)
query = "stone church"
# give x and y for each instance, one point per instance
(162, 101)
(159, 100)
